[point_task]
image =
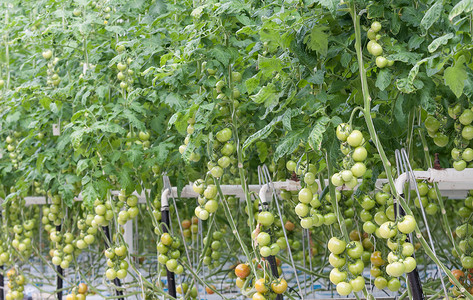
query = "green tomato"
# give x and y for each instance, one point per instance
(369, 227)
(380, 282)
(432, 124)
(344, 288)
(355, 138)
(395, 269)
(305, 195)
(265, 218)
(336, 261)
(381, 62)
(357, 267)
(355, 249)
(441, 139)
(358, 169)
(467, 154)
(466, 117)
(343, 131)
(376, 49)
(407, 225)
(394, 284)
(409, 264)
(376, 26)
(336, 246)
(380, 218)
(357, 284)
(407, 249)
(459, 165)
(337, 276)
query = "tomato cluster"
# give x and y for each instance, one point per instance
(183, 289)
(347, 260)
(375, 48)
(215, 243)
(439, 128)
(260, 286)
(268, 243)
(79, 292)
(207, 199)
(16, 284)
(12, 146)
(129, 206)
(169, 253)
(126, 80)
(352, 146)
(116, 262)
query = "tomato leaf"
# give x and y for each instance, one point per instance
(266, 95)
(262, 133)
(431, 16)
(330, 4)
(462, 6)
(384, 79)
(253, 82)
(455, 76)
(89, 194)
(286, 120)
(269, 65)
(289, 143)
(317, 134)
(262, 149)
(443, 40)
(317, 40)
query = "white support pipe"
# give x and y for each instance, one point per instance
(453, 184)
(447, 179)
(165, 198)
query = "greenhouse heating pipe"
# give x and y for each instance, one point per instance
(165, 226)
(271, 259)
(60, 272)
(116, 281)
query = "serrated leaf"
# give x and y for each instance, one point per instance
(427, 102)
(415, 41)
(405, 56)
(266, 95)
(384, 79)
(462, 6)
(431, 16)
(286, 120)
(317, 134)
(173, 100)
(413, 74)
(269, 65)
(288, 144)
(130, 116)
(403, 85)
(329, 4)
(317, 40)
(125, 180)
(221, 55)
(262, 133)
(252, 83)
(162, 151)
(345, 60)
(262, 149)
(455, 77)
(443, 40)
(82, 165)
(89, 194)
(317, 78)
